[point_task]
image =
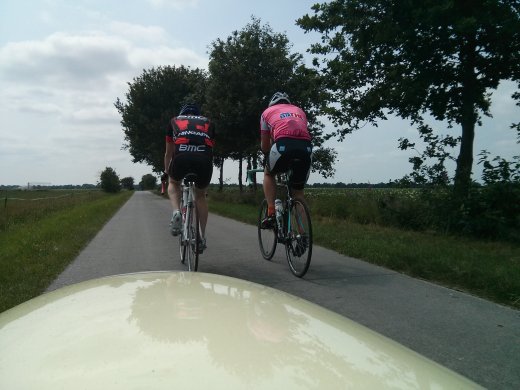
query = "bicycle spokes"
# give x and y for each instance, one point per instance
(299, 244)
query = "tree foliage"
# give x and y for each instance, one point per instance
(411, 58)
(152, 99)
(127, 183)
(499, 170)
(438, 149)
(245, 70)
(109, 180)
(148, 182)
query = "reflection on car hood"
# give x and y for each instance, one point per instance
(167, 330)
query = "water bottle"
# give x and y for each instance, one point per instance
(183, 213)
(279, 212)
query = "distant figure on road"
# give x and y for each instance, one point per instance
(164, 183)
(189, 149)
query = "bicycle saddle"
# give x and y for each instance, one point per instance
(190, 178)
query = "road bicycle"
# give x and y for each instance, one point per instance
(293, 228)
(189, 238)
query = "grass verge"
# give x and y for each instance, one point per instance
(490, 270)
(33, 254)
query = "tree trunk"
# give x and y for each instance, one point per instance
(468, 118)
(221, 177)
(255, 166)
(252, 164)
(465, 161)
(240, 185)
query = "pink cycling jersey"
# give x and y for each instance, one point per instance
(284, 121)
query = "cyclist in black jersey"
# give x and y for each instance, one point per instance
(189, 149)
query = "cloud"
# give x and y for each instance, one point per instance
(61, 60)
(162, 55)
(94, 115)
(44, 108)
(77, 71)
(138, 33)
(59, 92)
(90, 59)
(177, 4)
(11, 145)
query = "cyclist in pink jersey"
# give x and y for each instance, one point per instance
(286, 144)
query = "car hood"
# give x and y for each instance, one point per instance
(163, 330)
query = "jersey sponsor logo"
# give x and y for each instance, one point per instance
(290, 114)
(187, 133)
(192, 148)
(188, 116)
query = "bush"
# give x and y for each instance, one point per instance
(127, 183)
(109, 181)
(492, 211)
(148, 182)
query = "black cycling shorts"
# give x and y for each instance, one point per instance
(294, 155)
(200, 164)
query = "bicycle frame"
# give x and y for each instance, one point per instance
(283, 180)
(187, 202)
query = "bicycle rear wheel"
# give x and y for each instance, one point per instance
(193, 238)
(266, 237)
(298, 244)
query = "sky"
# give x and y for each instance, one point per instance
(64, 63)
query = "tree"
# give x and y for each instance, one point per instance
(152, 100)
(127, 183)
(438, 149)
(410, 58)
(148, 182)
(245, 70)
(109, 180)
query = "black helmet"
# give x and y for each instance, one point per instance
(188, 109)
(279, 97)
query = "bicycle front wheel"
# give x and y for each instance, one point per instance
(298, 244)
(182, 248)
(193, 238)
(182, 241)
(266, 235)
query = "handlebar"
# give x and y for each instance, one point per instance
(251, 172)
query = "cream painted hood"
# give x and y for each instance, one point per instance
(177, 330)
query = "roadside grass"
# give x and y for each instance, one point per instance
(490, 270)
(34, 253)
(25, 206)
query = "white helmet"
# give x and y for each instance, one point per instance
(279, 97)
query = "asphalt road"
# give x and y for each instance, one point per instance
(474, 337)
